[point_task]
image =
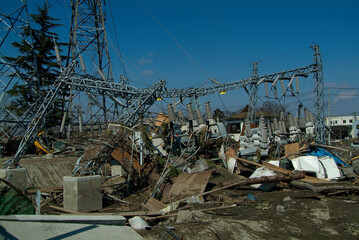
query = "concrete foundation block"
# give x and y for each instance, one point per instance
(49, 156)
(16, 177)
(82, 194)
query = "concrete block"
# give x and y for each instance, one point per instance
(16, 177)
(117, 170)
(73, 231)
(82, 194)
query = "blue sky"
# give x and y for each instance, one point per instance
(226, 36)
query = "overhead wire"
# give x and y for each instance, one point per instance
(284, 55)
(233, 73)
(176, 42)
(138, 69)
(342, 88)
(220, 98)
(116, 39)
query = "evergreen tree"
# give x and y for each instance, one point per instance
(41, 58)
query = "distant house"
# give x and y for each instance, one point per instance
(235, 122)
(343, 126)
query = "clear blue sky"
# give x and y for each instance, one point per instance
(226, 36)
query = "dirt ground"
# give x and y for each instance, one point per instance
(284, 213)
(281, 214)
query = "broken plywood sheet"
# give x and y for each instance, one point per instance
(188, 184)
(291, 150)
(153, 204)
(124, 157)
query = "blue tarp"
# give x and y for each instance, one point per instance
(321, 152)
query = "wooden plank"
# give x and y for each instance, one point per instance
(50, 189)
(66, 210)
(153, 204)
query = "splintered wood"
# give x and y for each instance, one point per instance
(124, 157)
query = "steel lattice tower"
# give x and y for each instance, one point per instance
(88, 44)
(253, 92)
(318, 93)
(88, 34)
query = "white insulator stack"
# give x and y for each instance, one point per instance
(171, 113)
(309, 128)
(181, 118)
(292, 128)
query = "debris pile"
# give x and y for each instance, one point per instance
(172, 171)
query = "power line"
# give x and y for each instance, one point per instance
(342, 88)
(177, 43)
(283, 55)
(346, 95)
(116, 39)
(233, 73)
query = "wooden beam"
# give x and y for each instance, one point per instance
(308, 179)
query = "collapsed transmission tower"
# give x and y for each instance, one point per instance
(133, 102)
(88, 73)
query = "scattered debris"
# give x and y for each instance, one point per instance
(188, 173)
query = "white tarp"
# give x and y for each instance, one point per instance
(331, 168)
(325, 168)
(232, 164)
